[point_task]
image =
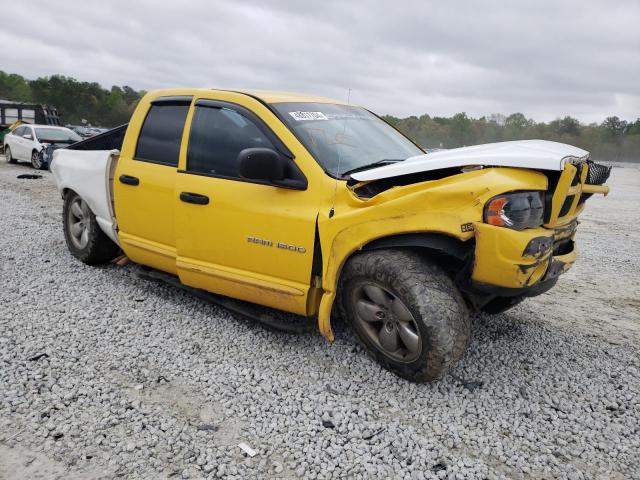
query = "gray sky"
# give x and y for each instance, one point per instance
(542, 58)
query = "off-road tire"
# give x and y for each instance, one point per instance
(37, 162)
(7, 154)
(502, 304)
(440, 313)
(99, 248)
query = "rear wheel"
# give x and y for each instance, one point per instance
(36, 161)
(85, 239)
(8, 155)
(406, 312)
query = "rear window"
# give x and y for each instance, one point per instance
(161, 134)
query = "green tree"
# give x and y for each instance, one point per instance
(74, 100)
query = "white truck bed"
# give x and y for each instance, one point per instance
(89, 173)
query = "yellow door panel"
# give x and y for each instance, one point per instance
(251, 241)
(144, 183)
(145, 213)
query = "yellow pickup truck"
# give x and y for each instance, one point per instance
(320, 208)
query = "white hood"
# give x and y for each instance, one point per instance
(536, 154)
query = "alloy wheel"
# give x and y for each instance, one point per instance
(78, 221)
(387, 322)
(36, 161)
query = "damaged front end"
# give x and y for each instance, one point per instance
(527, 262)
(46, 154)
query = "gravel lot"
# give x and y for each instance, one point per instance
(105, 375)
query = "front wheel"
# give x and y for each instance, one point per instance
(85, 239)
(406, 312)
(36, 161)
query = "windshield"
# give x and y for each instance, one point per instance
(343, 138)
(57, 135)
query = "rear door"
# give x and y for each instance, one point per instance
(247, 240)
(144, 185)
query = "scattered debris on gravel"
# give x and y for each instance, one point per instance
(29, 176)
(105, 374)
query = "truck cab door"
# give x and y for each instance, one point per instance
(249, 240)
(144, 184)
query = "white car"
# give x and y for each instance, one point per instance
(34, 143)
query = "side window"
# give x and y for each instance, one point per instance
(217, 136)
(161, 133)
(18, 132)
(27, 131)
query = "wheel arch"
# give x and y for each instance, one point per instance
(441, 246)
(66, 191)
(439, 242)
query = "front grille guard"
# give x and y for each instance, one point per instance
(598, 174)
(576, 184)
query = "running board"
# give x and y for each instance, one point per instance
(270, 318)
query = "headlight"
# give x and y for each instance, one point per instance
(515, 210)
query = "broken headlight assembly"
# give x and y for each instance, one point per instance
(517, 210)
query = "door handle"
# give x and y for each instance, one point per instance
(194, 198)
(129, 180)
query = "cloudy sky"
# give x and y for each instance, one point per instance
(543, 58)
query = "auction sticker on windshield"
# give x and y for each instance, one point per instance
(300, 116)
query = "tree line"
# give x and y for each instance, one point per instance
(613, 139)
(75, 100)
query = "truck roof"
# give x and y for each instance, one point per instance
(267, 96)
(272, 96)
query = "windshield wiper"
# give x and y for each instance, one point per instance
(379, 163)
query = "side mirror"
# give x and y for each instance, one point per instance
(261, 164)
(28, 136)
(268, 165)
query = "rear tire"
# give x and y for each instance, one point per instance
(85, 239)
(8, 155)
(406, 312)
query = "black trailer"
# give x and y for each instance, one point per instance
(11, 112)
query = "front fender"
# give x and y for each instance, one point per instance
(353, 238)
(447, 206)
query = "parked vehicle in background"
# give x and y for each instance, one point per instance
(314, 207)
(87, 131)
(35, 143)
(13, 114)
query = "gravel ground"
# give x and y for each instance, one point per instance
(105, 375)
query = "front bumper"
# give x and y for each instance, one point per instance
(528, 262)
(520, 260)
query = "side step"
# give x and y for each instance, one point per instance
(270, 318)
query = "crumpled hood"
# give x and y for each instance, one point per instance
(535, 154)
